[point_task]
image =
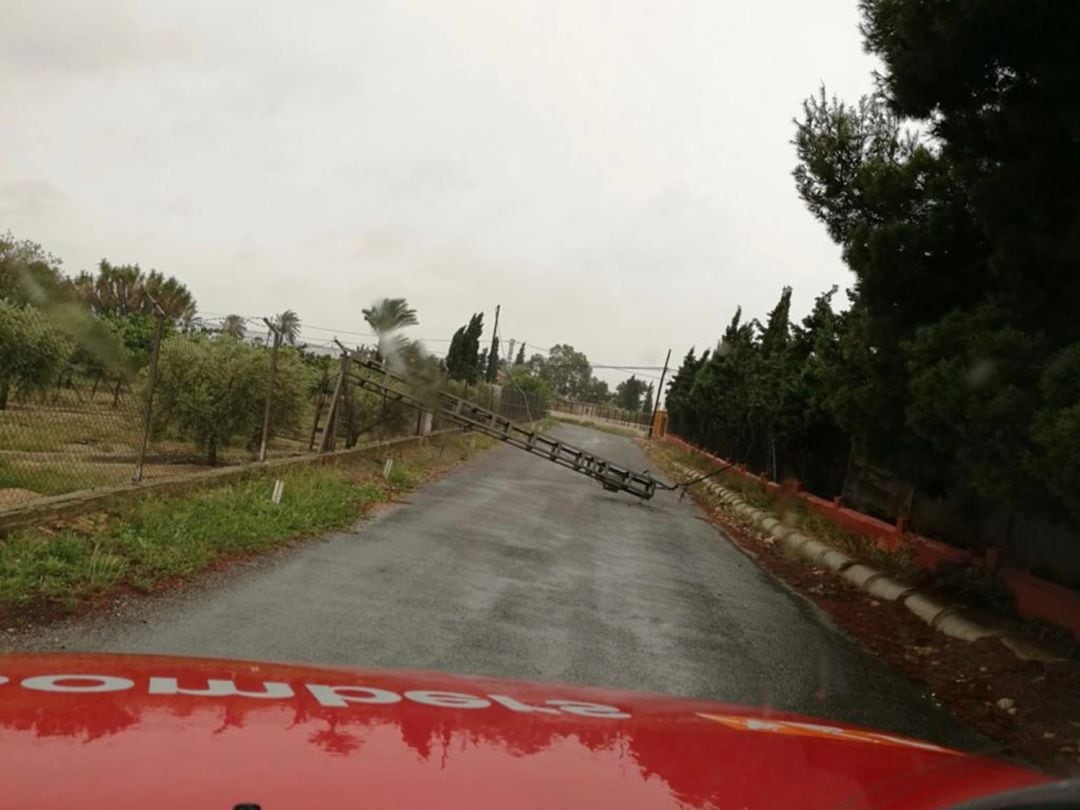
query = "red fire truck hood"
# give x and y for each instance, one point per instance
(138, 731)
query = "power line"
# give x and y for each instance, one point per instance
(535, 348)
(629, 368)
(635, 373)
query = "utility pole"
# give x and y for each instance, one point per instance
(494, 351)
(269, 389)
(318, 407)
(327, 440)
(659, 392)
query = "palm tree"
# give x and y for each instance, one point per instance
(389, 315)
(122, 290)
(172, 296)
(385, 318)
(287, 325)
(235, 326)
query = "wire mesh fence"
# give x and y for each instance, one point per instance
(203, 398)
(520, 406)
(87, 431)
(80, 433)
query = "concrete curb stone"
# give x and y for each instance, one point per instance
(925, 607)
(780, 531)
(859, 574)
(813, 550)
(944, 618)
(885, 587)
(835, 560)
(1028, 652)
(793, 542)
(956, 625)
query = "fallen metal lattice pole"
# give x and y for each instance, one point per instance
(374, 376)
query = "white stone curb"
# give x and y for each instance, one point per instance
(944, 618)
(953, 624)
(888, 588)
(836, 560)
(925, 608)
(859, 575)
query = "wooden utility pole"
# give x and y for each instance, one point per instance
(318, 408)
(328, 428)
(659, 392)
(269, 389)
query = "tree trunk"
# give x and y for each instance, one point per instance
(211, 453)
(5, 386)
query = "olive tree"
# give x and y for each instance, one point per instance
(32, 350)
(212, 391)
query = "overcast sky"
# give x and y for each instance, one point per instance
(616, 174)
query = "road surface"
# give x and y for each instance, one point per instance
(512, 566)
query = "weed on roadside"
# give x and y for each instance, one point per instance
(164, 539)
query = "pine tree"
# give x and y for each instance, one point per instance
(455, 355)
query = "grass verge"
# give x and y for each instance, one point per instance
(160, 541)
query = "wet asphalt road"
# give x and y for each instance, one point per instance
(511, 566)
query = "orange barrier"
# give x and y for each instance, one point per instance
(659, 424)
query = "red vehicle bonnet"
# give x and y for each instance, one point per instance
(138, 731)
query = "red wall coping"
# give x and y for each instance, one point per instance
(929, 554)
(1035, 598)
(885, 534)
(1038, 599)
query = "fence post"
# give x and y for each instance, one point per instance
(151, 381)
(269, 390)
(424, 419)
